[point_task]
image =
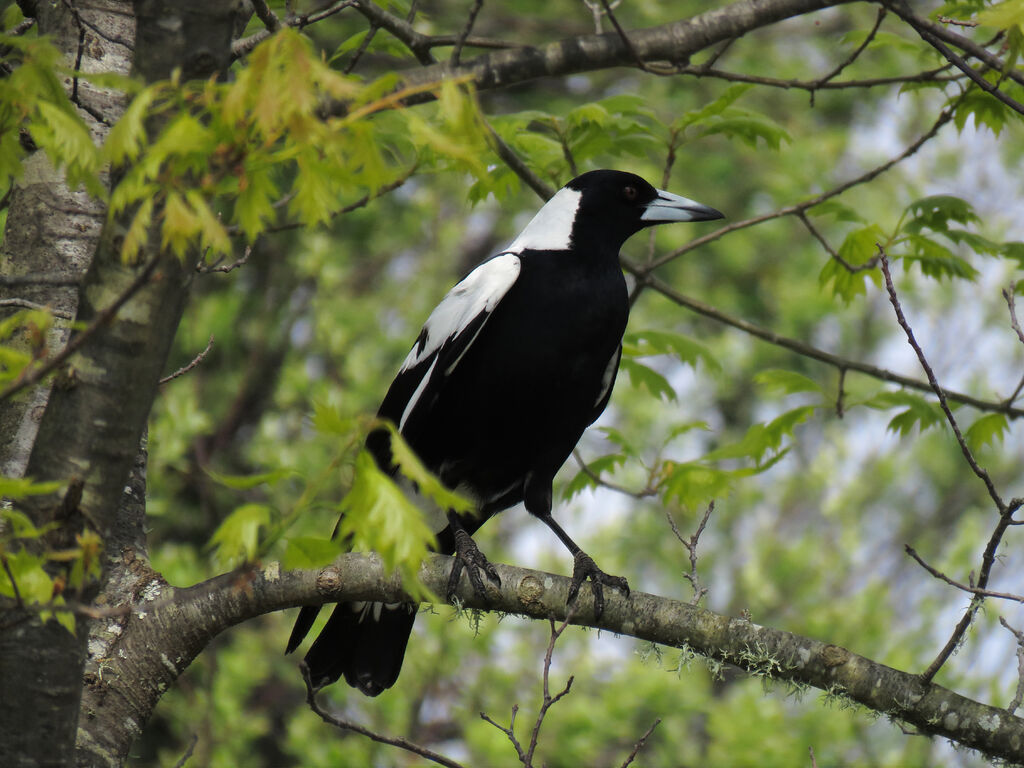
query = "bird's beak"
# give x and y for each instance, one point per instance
(668, 207)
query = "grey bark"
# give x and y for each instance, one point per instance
(170, 626)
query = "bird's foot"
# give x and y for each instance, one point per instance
(584, 568)
(469, 557)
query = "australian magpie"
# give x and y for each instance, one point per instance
(514, 363)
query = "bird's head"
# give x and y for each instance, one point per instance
(603, 209)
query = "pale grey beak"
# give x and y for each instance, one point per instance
(668, 207)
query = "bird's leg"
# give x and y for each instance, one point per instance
(469, 557)
(538, 502)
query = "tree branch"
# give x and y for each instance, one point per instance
(171, 627)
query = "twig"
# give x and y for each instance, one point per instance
(267, 16)
(640, 744)
(243, 46)
(394, 741)
(585, 469)
(699, 590)
(852, 57)
(225, 268)
(965, 587)
(869, 264)
(26, 304)
(509, 732)
(1018, 696)
(925, 76)
(807, 350)
(549, 700)
(14, 582)
(188, 751)
(27, 378)
(1005, 510)
(944, 117)
(54, 280)
(955, 22)
(517, 166)
(401, 29)
(965, 44)
(457, 52)
(360, 203)
(195, 361)
(626, 41)
(939, 392)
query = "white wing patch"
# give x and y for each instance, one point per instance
(551, 228)
(479, 291)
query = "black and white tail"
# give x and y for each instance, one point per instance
(364, 642)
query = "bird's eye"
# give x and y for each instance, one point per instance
(630, 193)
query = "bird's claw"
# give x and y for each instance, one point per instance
(584, 568)
(468, 557)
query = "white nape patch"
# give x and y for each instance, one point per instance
(551, 228)
(479, 291)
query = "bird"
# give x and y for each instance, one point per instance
(510, 368)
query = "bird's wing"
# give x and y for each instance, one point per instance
(607, 382)
(447, 335)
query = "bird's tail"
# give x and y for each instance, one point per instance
(363, 641)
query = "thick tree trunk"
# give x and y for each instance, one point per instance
(85, 433)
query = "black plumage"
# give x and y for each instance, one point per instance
(514, 363)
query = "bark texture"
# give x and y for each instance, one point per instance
(170, 626)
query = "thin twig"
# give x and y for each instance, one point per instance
(981, 473)
(225, 268)
(1018, 696)
(598, 480)
(14, 582)
(517, 166)
(944, 117)
(699, 590)
(360, 203)
(188, 751)
(640, 744)
(29, 377)
(965, 587)
(243, 46)
(851, 58)
(394, 741)
(195, 361)
(461, 41)
(869, 264)
(26, 304)
(267, 16)
(549, 700)
(509, 732)
(807, 350)
(625, 39)
(925, 76)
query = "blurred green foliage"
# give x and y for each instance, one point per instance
(818, 479)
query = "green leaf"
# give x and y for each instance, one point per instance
(642, 376)
(1005, 15)
(377, 516)
(311, 552)
(34, 583)
(859, 247)
(749, 127)
(919, 412)
(761, 439)
(19, 487)
(987, 430)
(425, 481)
(780, 381)
(841, 211)
(716, 107)
(936, 260)
(583, 479)
(236, 540)
(651, 342)
(936, 211)
(247, 482)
